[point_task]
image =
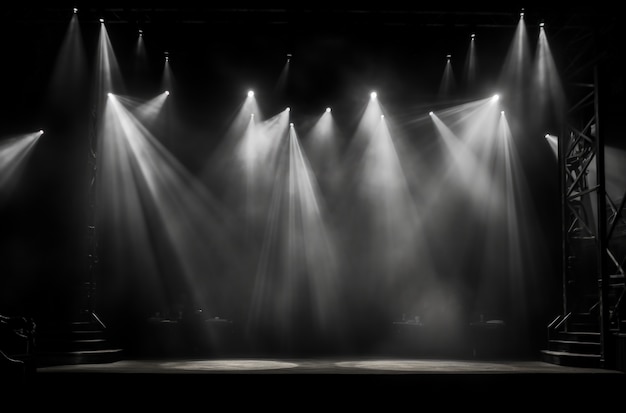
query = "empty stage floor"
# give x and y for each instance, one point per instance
(358, 381)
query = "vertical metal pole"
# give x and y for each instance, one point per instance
(92, 244)
(563, 144)
(603, 279)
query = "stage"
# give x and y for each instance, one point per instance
(293, 383)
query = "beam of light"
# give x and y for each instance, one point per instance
(549, 94)
(258, 153)
(381, 225)
(140, 53)
(146, 111)
(231, 156)
(69, 75)
(240, 122)
(14, 154)
(384, 188)
(464, 200)
(167, 235)
(108, 77)
(462, 167)
(322, 146)
(553, 142)
(167, 79)
(474, 122)
(447, 83)
(280, 89)
(480, 127)
(470, 68)
(517, 63)
(514, 249)
(295, 293)
(253, 157)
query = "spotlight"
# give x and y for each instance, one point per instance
(101, 20)
(373, 95)
(502, 112)
(252, 115)
(250, 93)
(140, 32)
(288, 109)
(167, 56)
(109, 94)
(382, 116)
(541, 24)
(495, 97)
(75, 10)
(291, 125)
(289, 57)
(431, 113)
(41, 131)
(167, 93)
(473, 36)
(327, 110)
(449, 56)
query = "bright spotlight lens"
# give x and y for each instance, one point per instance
(250, 93)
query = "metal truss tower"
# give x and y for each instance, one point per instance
(593, 221)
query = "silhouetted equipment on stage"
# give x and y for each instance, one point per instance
(189, 335)
(489, 338)
(17, 341)
(485, 338)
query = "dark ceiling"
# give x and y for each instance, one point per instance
(320, 14)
